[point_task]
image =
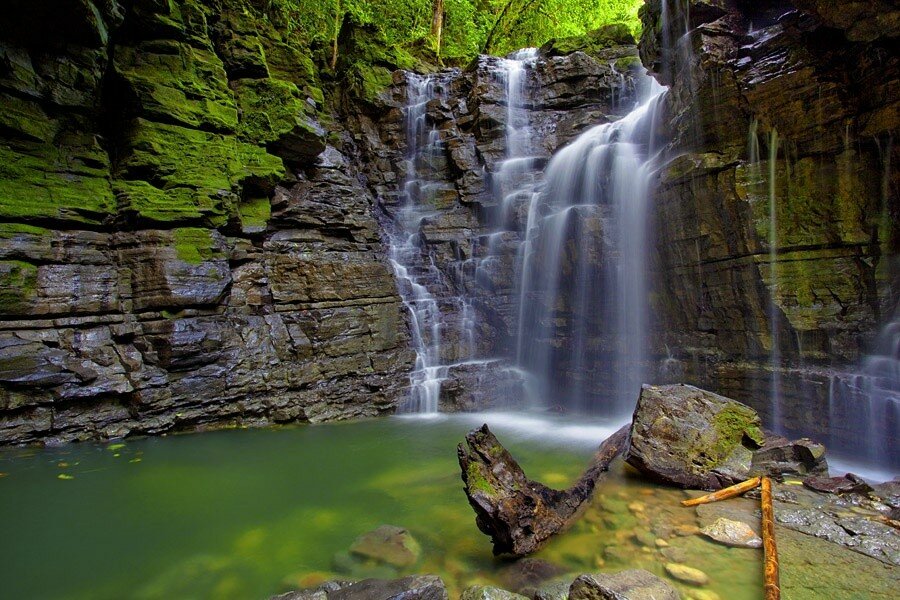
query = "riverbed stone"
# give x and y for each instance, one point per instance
(635, 584)
(482, 592)
(388, 544)
(732, 533)
(686, 574)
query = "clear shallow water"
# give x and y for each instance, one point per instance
(244, 513)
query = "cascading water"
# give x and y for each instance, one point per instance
(864, 407)
(416, 273)
(584, 265)
(775, 391)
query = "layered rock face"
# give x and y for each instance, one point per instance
(782, 118)
(479, 188)
(179, 244)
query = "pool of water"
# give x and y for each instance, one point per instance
(248, 513)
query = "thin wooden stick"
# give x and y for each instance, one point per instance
(772, 584)
(724, 493)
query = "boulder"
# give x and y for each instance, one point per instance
(635, 584)
(388, 544)
(692, 438)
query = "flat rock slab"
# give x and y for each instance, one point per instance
(635, 584)
(736, 534)
(388, 544)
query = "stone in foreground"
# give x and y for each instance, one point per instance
(388, 544)
(418, 587)
(482, 592)
(635, 584)
(736, 534)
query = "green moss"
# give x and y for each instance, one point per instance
(61, 182)
(18, 286)
(269, 108)
(255, 214)
(11, 230)
(176, 174)
(194, 245)
(175, 81)
(477, 482)
(616, 34)
(628, 63)
(731, 424)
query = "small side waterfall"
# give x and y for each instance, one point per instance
(584, 264)
(775, 391)
(416, 273)
(864, 407)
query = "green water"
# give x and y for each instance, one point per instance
(248, 513)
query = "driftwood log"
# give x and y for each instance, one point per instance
(520, 515)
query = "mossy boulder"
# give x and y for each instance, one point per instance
(689, 437)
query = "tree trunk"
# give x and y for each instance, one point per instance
(338, 19)
(437, 26)
(520, 515)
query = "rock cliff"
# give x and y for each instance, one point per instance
(181, 243)
(782, 120)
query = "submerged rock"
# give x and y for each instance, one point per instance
(388, 544)
(732, 533)
(635, 584)
(686, 574)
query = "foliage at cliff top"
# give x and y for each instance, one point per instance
(456, 30)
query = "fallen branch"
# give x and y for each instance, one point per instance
(772, 585)
(520, 515)
(724, 493)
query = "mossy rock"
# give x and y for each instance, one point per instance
(173, 81)
(270, 108)
(194, 245)
(57, 182)
(689, 437)
(176, 174)
(615, 34)
(18, 286)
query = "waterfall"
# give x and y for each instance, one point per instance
(864, 407)
(775, 391)
(584, 265)
(416, 273)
